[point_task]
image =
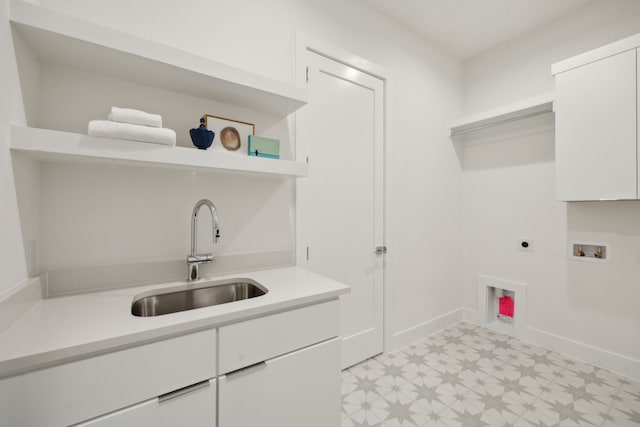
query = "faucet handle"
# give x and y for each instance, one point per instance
(200, 259)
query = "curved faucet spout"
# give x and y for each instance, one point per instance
(194, 223)
(194, 259)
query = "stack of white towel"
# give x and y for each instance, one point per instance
(134, 125)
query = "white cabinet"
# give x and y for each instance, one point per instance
(252, 341)
(193, 407)
(298, 389)
(281, 369)
(596, 121)
(81, 390)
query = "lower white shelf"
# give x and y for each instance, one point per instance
(50, 145)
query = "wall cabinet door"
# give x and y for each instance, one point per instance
(298, 389)
(596, 143)
(194, 408)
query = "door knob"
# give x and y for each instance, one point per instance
(381, 250)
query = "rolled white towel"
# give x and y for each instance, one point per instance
(109, 129)
(135, 117)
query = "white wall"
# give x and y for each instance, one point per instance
(12, 259)
(260, 36)
(521, 68)
(588, 310)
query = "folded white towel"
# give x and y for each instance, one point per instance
(135, 117)
(109, 129)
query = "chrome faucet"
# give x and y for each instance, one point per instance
(194, 260)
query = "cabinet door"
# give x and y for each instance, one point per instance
(298, 389)
(194, 408)
(77, 391)
(596, 130)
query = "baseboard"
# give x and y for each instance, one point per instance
(605, 359)
(422, 330)
(470, 315)
(19, 299)
(609, 360)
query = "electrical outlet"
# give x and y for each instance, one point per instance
(524, 245)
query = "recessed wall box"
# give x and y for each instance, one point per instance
(589, 251)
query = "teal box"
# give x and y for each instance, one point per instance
(259, 146)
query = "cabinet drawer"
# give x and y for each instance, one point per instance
(78, 391)
(195, 409)
(245, 343)
(298, 389)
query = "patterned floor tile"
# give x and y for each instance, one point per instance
(626, 405)
(620, 416)
(353, 402)
(533, 418)
(403, 411)
(474, 377)
(372, 415)
(466, 418)
(567, 410)
(584, 391)
(629, 386)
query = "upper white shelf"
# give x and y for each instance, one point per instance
(520, 110)
(50, 145)
(61, 38)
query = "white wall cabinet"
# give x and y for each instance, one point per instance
(194, 408)
(297, 389)
(596, 120)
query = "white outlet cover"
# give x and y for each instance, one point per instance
(529, 247)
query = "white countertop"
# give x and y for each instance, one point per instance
(66, 328)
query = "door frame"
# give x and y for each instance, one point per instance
(304, 43)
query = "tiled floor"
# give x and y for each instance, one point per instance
(470, 376)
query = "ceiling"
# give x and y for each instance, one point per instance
(466, 28)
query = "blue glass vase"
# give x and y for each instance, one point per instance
(201, 136)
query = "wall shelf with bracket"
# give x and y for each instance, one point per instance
(530, 107)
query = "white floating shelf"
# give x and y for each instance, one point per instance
(60, 38)
(520, 110)
(49, 145)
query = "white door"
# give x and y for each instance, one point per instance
(340, 204)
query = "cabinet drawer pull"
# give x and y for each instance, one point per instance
(247, 368)
(182, 391)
